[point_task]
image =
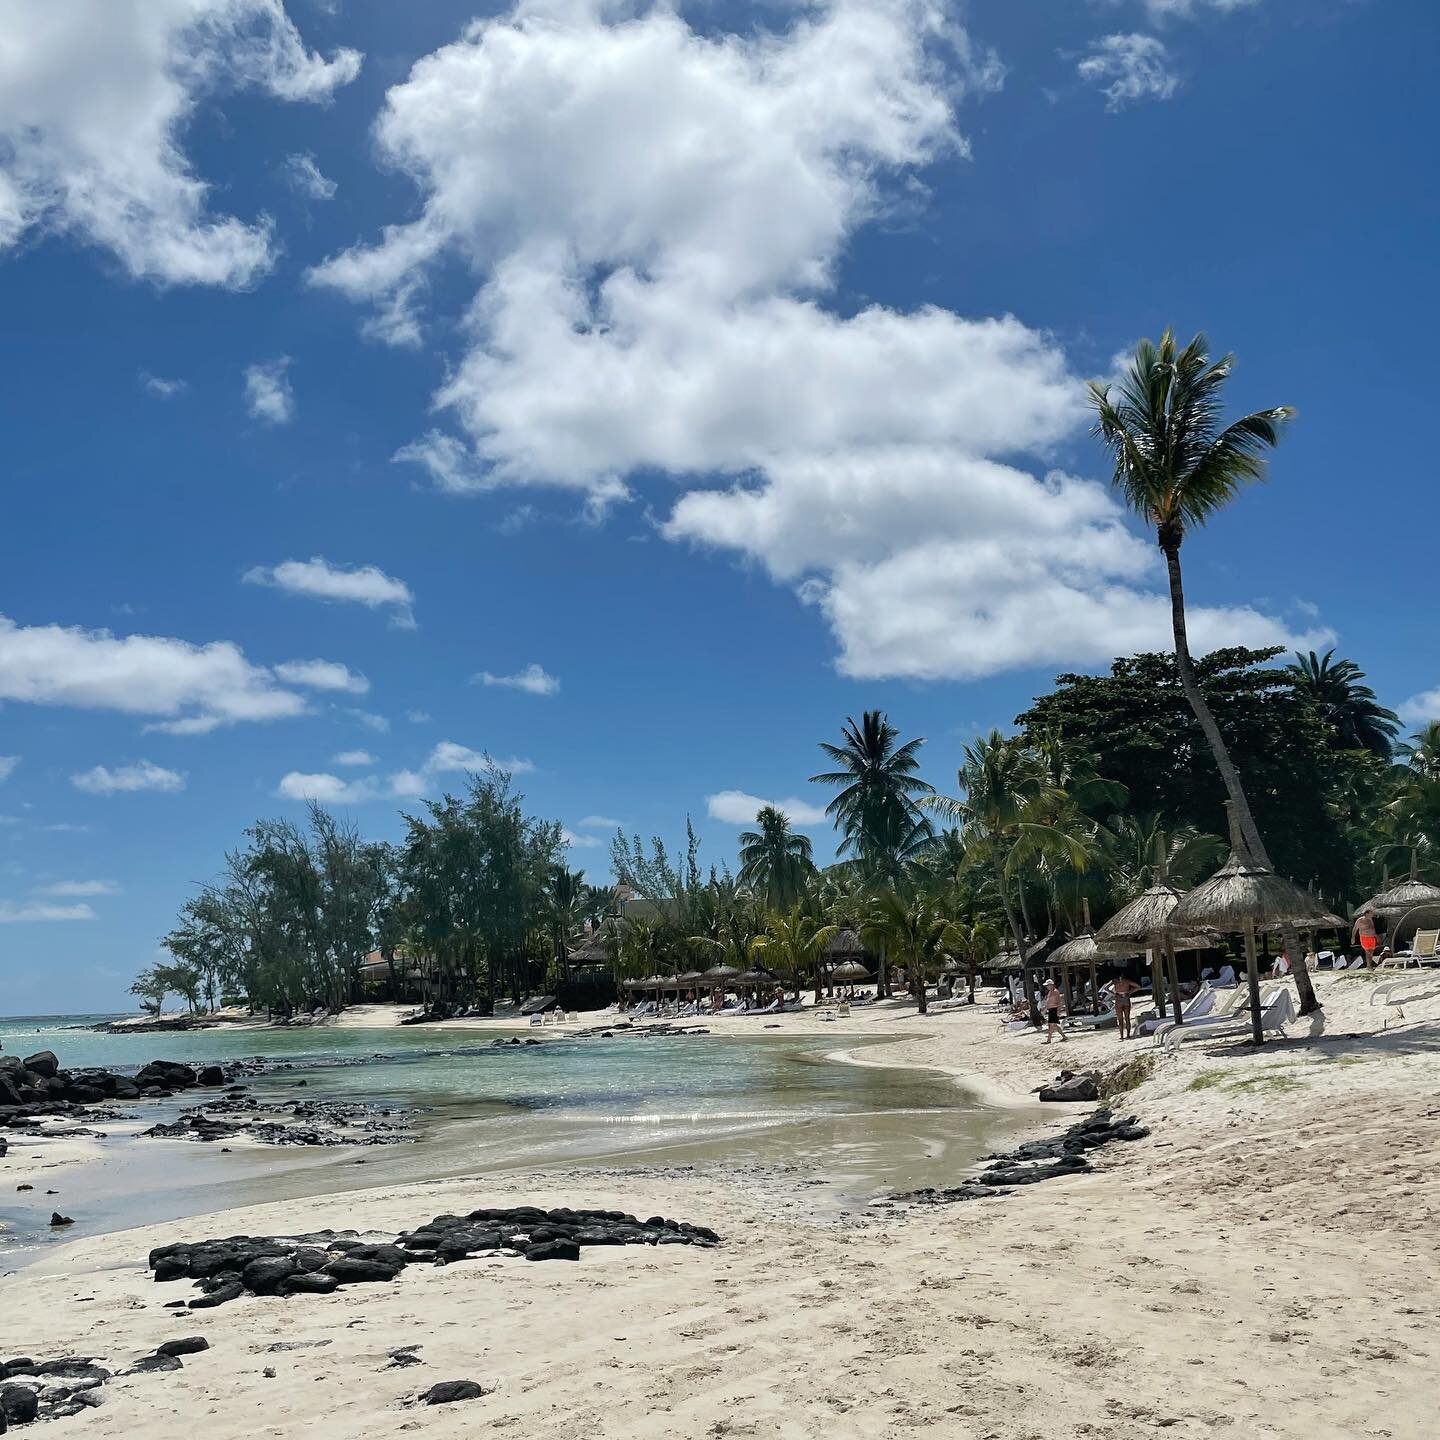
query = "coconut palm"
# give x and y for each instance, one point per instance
(775, 862)
(1190, 854)
(877, 808)
(916, 932)
(1176, 467)
(793, 944)
(1337, 688)
(1009, 815)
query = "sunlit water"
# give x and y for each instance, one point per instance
(766, 1102)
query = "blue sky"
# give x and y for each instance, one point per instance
(732, 360)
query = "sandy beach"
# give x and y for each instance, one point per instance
(1261, 1263)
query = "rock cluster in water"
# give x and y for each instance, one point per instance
(1037, 1160)
(36, 1086)
(318, 1263)
(309, 1122)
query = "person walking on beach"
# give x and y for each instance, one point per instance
(1364, 931)
(1050, 1003)
(1124, 988)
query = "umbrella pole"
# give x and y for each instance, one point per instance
(1174, 979)
(1157, 981)
(1252, 972)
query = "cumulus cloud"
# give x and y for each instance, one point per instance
(370, 720)
(94, 100)
(1162, 10)
(324, 788)
(353, 757)
(322, 675)
(533, 679)
(447, 758)
(1127, 68)
(38, 912)
(268, 393)
(128, 779)
(601, 822)
(579, 842)
(191, 688)
(1421, 709)
(304, 177)
(76, 888)
(7, 766)
(738, 807)
(355, 584)
(655, 295)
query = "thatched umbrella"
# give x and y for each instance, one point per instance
(850, 972)
(755, 976)
(1146, 922)
(844, 945)
(692, 979)
(1243, 894)
(1391, 904)
(721, 974)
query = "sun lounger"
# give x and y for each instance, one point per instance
(1277, 1009)
(1418, 986)
(1222, 1008)
(1202, 1003)
(1090, 1022)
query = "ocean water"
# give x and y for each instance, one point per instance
(773, 1103)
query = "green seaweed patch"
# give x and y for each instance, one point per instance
(1272, 1082)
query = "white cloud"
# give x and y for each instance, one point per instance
(74, 888)
(601, 822)
(326, 789)
(652, 296)
(737, 807)
(7, 766)
(370, 721)
(418, 717)
(359, 584)
(268, 393)
(579, 842)
(94, 101)
(35, 912)
(1421, 709)
(322, 675)
(1127, 68)
(160, 387)
(449, 758)
(194, 687)
(533, 679)
(1162, 10)
(127, 779)
(353, 757)
(304, 177)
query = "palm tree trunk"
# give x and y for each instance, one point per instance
(1228, 773)
(1014, 924)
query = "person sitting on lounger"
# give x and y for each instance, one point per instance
(1124, 989)
(1281, 967)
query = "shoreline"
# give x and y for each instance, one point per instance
(1272, 1271)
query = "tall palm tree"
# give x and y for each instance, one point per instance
(1176, 467)
(565, 899)
(1337, 688)
(775, 862)
(877, 808)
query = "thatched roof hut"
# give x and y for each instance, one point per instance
(757, 975)
(844, 945)
(850, 972)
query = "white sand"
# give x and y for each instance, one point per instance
(1263, 1265)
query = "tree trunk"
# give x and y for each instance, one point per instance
(1228, 773)
(1014, 924)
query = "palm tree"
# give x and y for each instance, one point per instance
(1009, 813)
(793, 945)
(565, 899)
(1190, 854)
(1176, 467)
(916, 932)
(1356, 719)
(775, 862)
(877, 809)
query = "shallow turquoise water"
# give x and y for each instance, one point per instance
(771, 1102)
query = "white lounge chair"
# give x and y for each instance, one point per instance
(1277, 1009)
(1200, 1004)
